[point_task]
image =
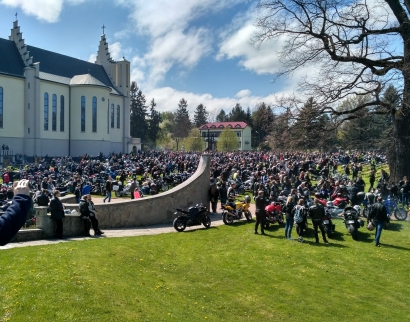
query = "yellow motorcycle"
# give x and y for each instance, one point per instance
(229, 214)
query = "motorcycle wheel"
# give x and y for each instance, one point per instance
(365, 212)
(266, 225)
(400, 213)
(179, 224)
(353, 231)
(206, 221)
(103, 193)
(117, 194)
(248, 216)
(328, 231)
(241, 190)
(227, 218)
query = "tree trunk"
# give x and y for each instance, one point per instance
(399, 154)
(399, 160)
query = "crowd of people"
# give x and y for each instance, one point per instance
(271, 174)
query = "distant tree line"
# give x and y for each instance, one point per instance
(288, 126)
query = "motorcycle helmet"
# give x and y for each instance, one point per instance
(247, 199)
(370, 226)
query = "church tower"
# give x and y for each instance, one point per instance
(118, 71)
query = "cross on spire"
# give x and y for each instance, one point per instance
(103, 28)
(16, 15)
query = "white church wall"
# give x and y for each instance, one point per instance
(116, 134)
(13, 107)
(102, 95)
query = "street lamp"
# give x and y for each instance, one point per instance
(210, 138)
(259, 137)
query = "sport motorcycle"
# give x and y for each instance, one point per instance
(229, 214)
(193, 217)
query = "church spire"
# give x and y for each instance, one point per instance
(17, 37)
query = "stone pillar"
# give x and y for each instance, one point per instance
(44, 222)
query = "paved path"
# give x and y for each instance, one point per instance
(216, 220)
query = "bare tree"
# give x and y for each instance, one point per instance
(358, 47)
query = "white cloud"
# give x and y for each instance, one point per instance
(47, 10)
(167, 99)
(172, 41)
(116, 52)
(243, 93)
(92, 58)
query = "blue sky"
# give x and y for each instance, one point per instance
(194, 49)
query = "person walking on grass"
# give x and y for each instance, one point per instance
(317, 212)
(299, 217)
(260, 203)
(289, 218)
(378, 216)
(108, 188)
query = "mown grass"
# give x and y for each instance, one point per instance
(225, 273)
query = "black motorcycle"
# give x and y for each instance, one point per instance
(352, 221)
(193, 217)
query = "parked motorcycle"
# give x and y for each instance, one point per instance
(328, 224)
(336, 207)
(241, 207)
(394, 209)
(193, 217)
(352, 221)
(273, 214)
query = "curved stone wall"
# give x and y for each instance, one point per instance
(131, 213)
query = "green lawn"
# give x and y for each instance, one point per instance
(225, 273)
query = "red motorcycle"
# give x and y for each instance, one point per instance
(273, 214)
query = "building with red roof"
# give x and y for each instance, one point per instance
(211, 131)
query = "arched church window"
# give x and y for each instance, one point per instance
(46, 111)
(82, 113)
(54, 113)
(118, 116)
(1, 107)
(62, 113)
(94, 114)
(112, 116)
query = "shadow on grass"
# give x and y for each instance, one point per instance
(198, 228)
(322, 244)
(394, 226)
(394, 246)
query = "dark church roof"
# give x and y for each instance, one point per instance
(10, 60)
(66, 66)
(50, 62)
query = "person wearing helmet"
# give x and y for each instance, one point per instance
(378, 216)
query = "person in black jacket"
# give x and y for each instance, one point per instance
(289, 217)
(15, 215)
(42, 199)
(57, 213)
(378, 216)
(260, 203)
(317, 212)
(213, 194)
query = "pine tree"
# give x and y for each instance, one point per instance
(182, 123)
(153, 123)
(221, 117)
(200, 116)
(237, 114)
(139, 125)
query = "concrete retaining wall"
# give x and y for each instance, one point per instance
(130, 213)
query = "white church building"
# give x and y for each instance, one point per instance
(56, 105)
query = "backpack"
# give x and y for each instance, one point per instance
(298, 218)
